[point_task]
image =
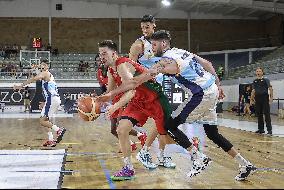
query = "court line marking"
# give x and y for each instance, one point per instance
(60, 180)
(47, 171)
(68, 154)
(107, 174)
(270, 169)
(69, 143)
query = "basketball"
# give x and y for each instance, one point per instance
(88, 109)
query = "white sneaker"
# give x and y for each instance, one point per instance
(145, 158)
(198, 165)
(166, 162)
(245, 171)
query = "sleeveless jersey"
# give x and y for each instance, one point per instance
(49, 87)
(147, 58)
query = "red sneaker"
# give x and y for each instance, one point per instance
(60, 134)
(143, 138)
(133, 147)
(49, 143)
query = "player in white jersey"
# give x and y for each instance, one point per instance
(198, 76)
(141, 52)
(52, 103)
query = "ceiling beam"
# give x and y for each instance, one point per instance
(251, 12)
(230, 10)
(194, 4)
(274, 6)
(212, 8)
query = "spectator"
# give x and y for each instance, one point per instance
(81, 65)
(86, 66)
(55, 52)
(245, 100)
(262, 99)
(48, 47)
(220, 72)
(219, 107)
(27, 99)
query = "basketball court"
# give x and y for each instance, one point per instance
(87, 157)
(236, 36)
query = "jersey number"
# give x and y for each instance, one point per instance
(194, 65)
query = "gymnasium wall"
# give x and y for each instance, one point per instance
(82, 35)
(81, 24)
(211, 35)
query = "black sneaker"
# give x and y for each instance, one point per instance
(245, 171)
(259, 131)
(269, 132)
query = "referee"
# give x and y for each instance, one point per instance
(262, 100)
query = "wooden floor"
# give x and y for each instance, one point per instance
(92, 156)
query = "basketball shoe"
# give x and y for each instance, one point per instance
(245, 171)
(124, 174)
(166, 162)
(145, 158)
(60, 134)
(198, 165)
(49, 143)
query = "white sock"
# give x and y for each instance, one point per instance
(241, 160)
(195, 153)
(127, 162)
(50, 136)
(162, 153)
(145, 148)
(55, 128)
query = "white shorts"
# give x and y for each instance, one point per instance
(51, 106)
(204, 111)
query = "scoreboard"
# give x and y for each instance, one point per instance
(37, 43)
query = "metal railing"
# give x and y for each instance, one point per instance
(58, 75)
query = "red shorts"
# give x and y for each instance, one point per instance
(145, 104)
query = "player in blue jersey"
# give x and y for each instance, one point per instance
(141, 52)
(52, 102)
(196, 75)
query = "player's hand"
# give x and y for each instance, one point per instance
(221, 93)
(110, 111)
(154, 71)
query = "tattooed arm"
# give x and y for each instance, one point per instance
(168, 66)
